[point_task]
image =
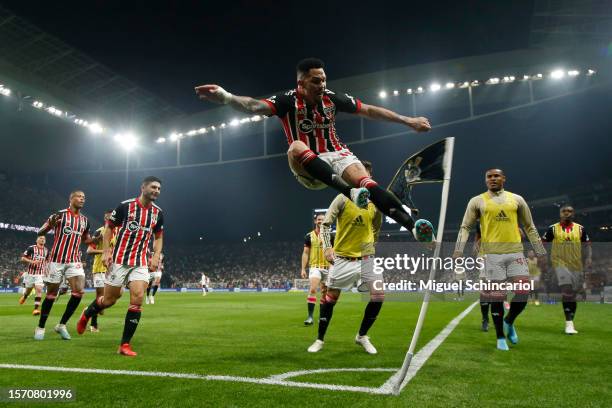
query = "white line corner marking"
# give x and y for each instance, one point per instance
(282, 379)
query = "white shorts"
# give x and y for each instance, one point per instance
(345, 273)
(120, 275)
(58, 271)
(567, 277)
(317, 273)
(338, 161)
(98, 279)
(500, 267)
(33, 280)
(155, 275)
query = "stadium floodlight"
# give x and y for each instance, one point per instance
(573, 72)
(38, 104)
(244, 120)
(419, 89)
(557, 74)
(258, 234)
(161, 140)
(395, 92)
(435, 87)
(213, 127)
(382, 94)
(243, 239)
(255, 118)
(223, 125)
(526, 77)
(192, 132)
(202, 131)
(508, 79)
(475, 83)
(449, 85)
(127, 141)
(591, 72)
(234, 122)
(5, 91)
(537, 76)
(492, 81)
(409, 91)
(96, 128)
(174, 137)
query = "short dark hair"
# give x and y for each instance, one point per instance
(108, 211)
(564, 206)
(151, 179)
(496, 168)
(73, 192)
(367, 165)
(307, 64)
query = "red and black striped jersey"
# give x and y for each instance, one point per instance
(35, 253)
(313, 125)
(69, 231)
(136, 226)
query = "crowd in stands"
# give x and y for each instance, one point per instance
(251, 264)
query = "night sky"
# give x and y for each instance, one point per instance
(251, 47)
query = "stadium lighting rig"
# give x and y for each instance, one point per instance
(131, 142)
(127, 141)
(506, 79)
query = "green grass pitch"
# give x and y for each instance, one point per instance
(259, 335)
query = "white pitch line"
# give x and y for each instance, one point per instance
(268, 381)
(280, 379)
(425, 352)
(300, 373)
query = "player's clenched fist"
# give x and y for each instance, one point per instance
(420, 124)
(213, 93)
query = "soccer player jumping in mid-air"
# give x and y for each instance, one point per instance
(316, 156)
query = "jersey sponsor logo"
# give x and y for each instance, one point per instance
(502, 216)
(358, 222)
(133, 226)
(67, 230)
(307, 125)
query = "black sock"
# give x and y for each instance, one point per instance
(94, 321)
(311, 307)
(517, 305)
(132, 317)
(93, 309)
(36, 302)
(369, 317)
(484, 310)
(497, 314)
(155, 289)
(25, 296)
(320, 170)
(569, 308)
(325, 314)
(389, 205)
(72, 305)
(45, 309)
(148, 290)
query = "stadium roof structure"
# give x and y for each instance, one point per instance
(43, 64)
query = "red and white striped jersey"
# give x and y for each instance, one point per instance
(68, 233)
(313, 125)
(136, 226)
(35, 253)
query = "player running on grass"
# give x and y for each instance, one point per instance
(314, 259)
(316, 155)
(500, 212)
(138, 220)
(35, 257)
(352, 259)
